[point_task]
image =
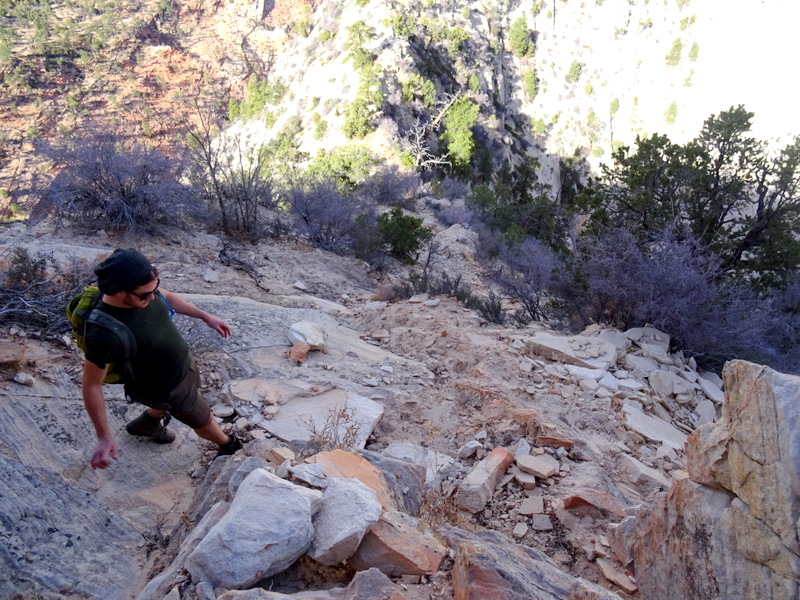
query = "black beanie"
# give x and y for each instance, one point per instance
(122, 271)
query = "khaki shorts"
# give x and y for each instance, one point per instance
(185, 402)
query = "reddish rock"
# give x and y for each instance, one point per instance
(601, 500)
(397, 546)
(556, 442)
(298, 352)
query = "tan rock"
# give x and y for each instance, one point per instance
(11, 354)
(615, 575)
(478, 486)
(542, 466)
(534, 505)
(397, 546)
(349, 465)
(278, 456)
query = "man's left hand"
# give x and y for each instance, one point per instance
(218, 325)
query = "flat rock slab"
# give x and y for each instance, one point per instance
(581, 351)
(653, 428)
(299, 418)
(541, 466)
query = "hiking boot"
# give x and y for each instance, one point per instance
(150, 427)
(233, 444)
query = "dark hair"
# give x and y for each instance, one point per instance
(152, 276)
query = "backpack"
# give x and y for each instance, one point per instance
(80, 312)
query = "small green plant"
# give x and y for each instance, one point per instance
(458, 121)
(674, 56)
(358, 34)
(320, 129)
(686, 21)
(694, 51)
(519, 38)
(403, 234)
(614, 106)
(270, 118)
(474, 82)
(362, 3)
(575, 72)
(588, 88)
(671, 113)
(326, 35)
(539, 126)
(529, 83)
(465, 12)
(597, 152)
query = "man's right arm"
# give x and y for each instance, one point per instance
(95, 404)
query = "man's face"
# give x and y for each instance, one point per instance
(141, 296)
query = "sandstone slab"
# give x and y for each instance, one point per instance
(396, 545)
(478, 486)
(541, 466)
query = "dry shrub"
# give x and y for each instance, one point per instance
(339, 431)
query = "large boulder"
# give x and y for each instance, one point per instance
(737, 512)
(267, 528)
(349, 509)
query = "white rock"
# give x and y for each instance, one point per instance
(299, 285)
(615, 338)
(298, 417)
(713, 391)
(312, 474)
(523, 448)
(24, 379)
(349, 509)
(657, 353)
(631, 384)
(666, 451)
(588, 385)
(542, 466)
(270, 521)
(653, 428)
(309, 332)
(520, 529)
(640, 365)
(648, 335)
(469, 449)
(210, 276)
(579, 373)
(222, 410)
(609, 382)
(433, 462)
(706, 412)
(640, 473)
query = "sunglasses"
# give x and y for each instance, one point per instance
(148, 295)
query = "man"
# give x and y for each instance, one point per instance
(163, 371)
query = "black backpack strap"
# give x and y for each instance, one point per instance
(124, 335)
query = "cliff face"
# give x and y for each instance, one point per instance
(736, 513)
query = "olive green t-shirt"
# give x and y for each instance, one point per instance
(162, 356)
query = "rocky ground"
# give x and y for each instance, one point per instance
(594, 424)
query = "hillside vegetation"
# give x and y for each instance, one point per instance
(533, 124)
